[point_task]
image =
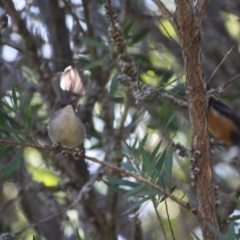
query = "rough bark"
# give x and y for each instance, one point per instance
(189, 23)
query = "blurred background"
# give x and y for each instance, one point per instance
(39, 39)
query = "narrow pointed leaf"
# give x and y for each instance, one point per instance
(155, 151)
(168, 166)
(231, 231)
(216, 232)
(127, 29)
(78, 235)
(12, 121)
(134, 191)
(161, 161)
(128, 167)
(14, 97)
(115, 187)
(5, 150)
(26, 111)
(139, 36)
(120, 181)
(12, 165)
(142, 143)
(136, 205)
(196, 237)
(36, 237)
(92, 42)
(94, 64)
(10, 130)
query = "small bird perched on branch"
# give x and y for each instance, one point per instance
(223, 122)
(65, 126)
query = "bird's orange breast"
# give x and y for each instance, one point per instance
(220, 126)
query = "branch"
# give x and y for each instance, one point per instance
(75, 17)
(105, 164)
(143, 92)
(27, 36)
(230, 50)
(222, 87)
(82, 195)
(200, 6)
(166, 13)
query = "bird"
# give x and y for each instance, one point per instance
(65, 126)
(223, 122)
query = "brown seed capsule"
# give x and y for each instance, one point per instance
(196, 170)
(64, 153)
(193, 176)
(217, 203)
(194, 210)
(193, 159)
(197, 153)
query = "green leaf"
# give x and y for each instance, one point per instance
(14, 97)
(12, 165)
(157, 174)
(233, 218)
(134, 191)
(141, 57)
(127, 29)
(115, 187)
(146, 167)
(196, 237)
(139, 36)
(113, 85)
(161, 161)
(122, 154)
(92, 42)
(120, 181)
(142, 143)
(135, 143)
(78, 235)
(26, 111)
(10, 130)
(5, 150)
(36, 237)
(231, 232)
(128, 167)
(168, 166)
(12, 121)
(6, 104)
(166, 76)
(147, 193)
(94, 64)
(154, 152)
(236, 200)
(217, 232)
(116, 99)
(136, 205)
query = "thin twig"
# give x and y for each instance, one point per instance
(75, 17)
(166, 13)
(165, 29)
(168, 217)
(219, 65)
(223, 86)
(7, 204)
(200, 6)
(124, 114)
(89, 32)
(159, 219)
(105, 164)
(82, 193)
